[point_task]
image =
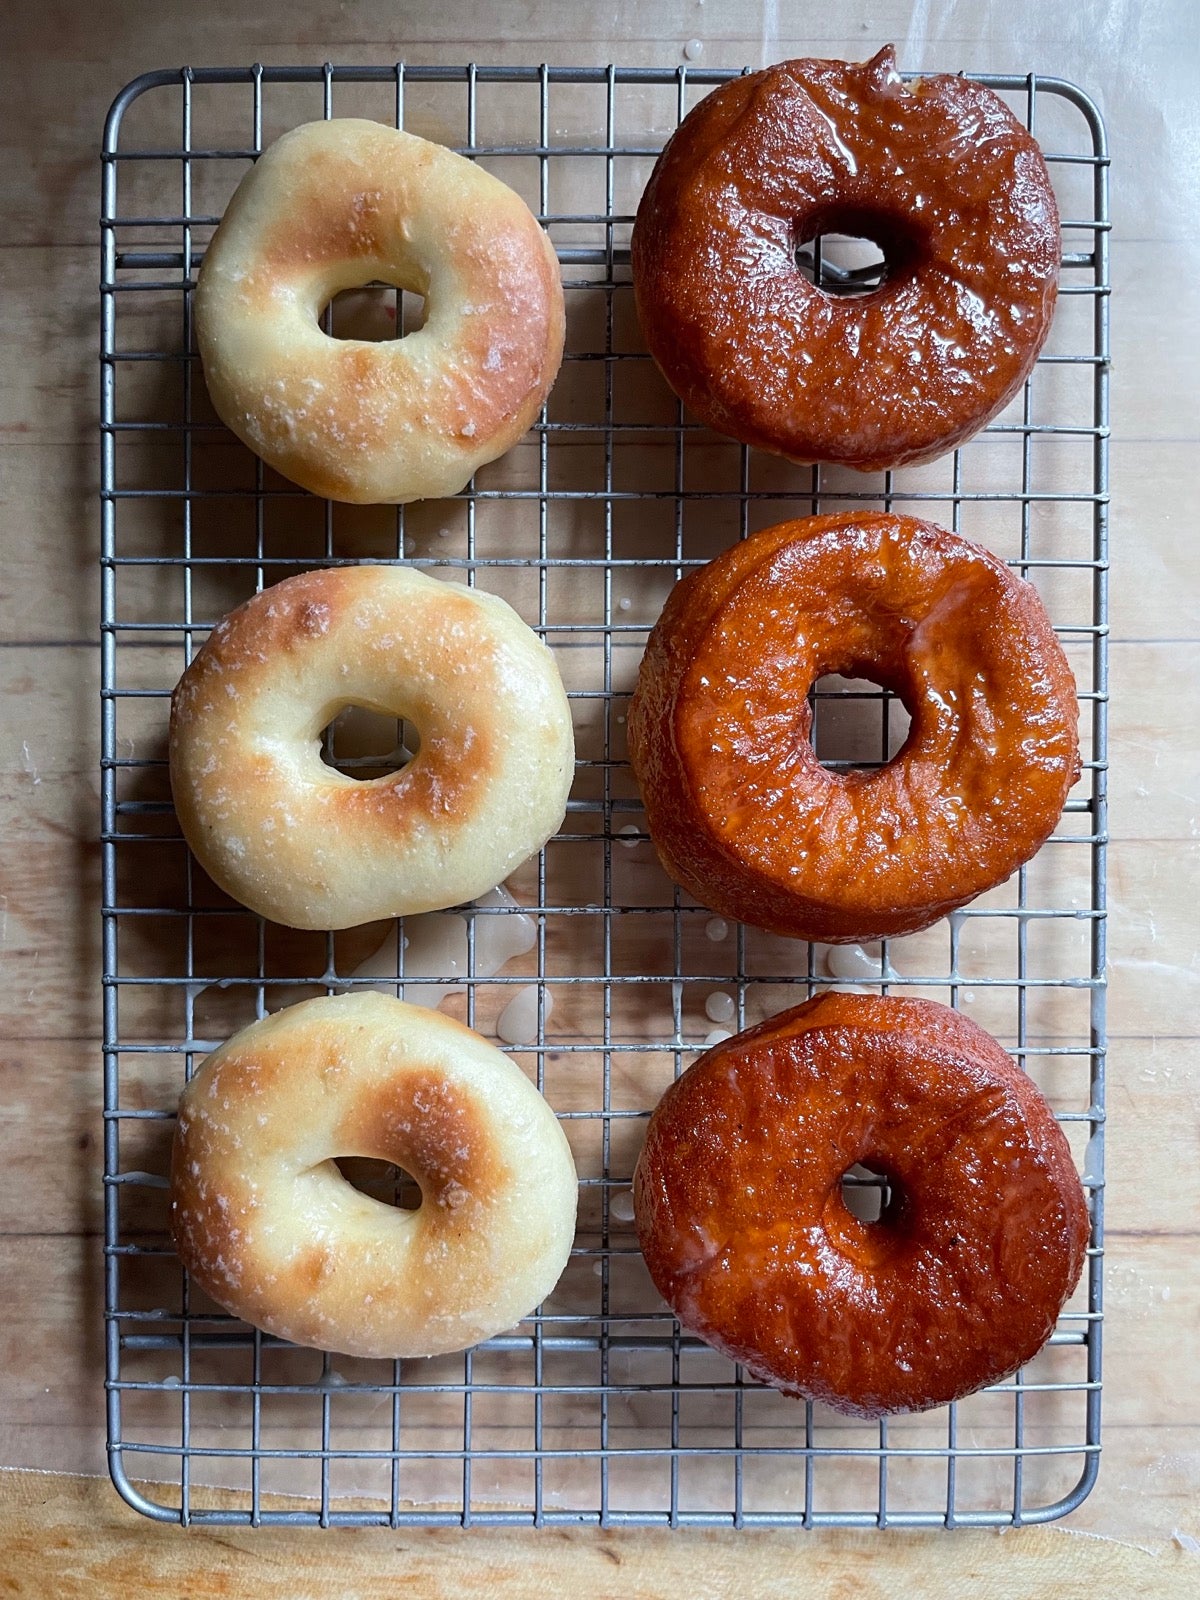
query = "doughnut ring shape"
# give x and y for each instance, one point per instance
(336, 205)
(742, 813)
(266, 1224)
(303, 844)
(938, 173)
(741, 1219)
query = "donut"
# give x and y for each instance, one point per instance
(307, 846)
(945, 181)
(335, 205)
(742, 813)
(268, 1227)
(740, 1216)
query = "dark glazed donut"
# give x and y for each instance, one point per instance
(944, 179)
(742, 1223)
(742, 813)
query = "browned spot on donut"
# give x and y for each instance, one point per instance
(447, 781)
(499, 350)
(343, 220)
(360, 368)
(312, 618)
(208, 1219)
(275, 622)
(312, 1268)
(432, 1129)
(456, 765)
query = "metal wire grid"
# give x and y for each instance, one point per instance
(750, 1431)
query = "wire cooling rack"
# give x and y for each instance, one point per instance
(597, 1408)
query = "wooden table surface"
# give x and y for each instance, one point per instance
(62, 1529)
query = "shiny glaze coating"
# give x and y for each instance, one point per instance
(742, 1223)
(742, 813)
(945, 180)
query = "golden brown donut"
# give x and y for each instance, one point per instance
(266, 1224)
(944, 179)
(742, 813)
(303, 844)
(741, 1219)
(332, 206)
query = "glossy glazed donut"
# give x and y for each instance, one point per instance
(305, 845)
(266, 1224)
(332, 206)
(938, 173)
(741, 811)
(741, 1219)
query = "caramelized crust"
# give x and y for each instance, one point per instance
(742, 1223)
(335, 205)
(305, 845)
(939, 173)
(742, 813)
(268, 1227)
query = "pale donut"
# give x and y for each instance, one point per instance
(266, 1224)
(307, 846)
(332, 206)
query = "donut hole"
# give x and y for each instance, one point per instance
(382, 1181)
(868, 1194)
(363, 743)
(863, 1215)
(857, 725)
(373, 313)
(842, 265)
(848, 255)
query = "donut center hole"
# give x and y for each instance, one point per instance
(364, 744)
(374, 313)
(382, 1181)
(857, 726)
(867, 1193)
(843, 265)
(852, 251)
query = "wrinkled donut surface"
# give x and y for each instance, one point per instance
(740, 1215)
(938, 173)
(742, 812)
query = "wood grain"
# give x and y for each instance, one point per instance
(64, 1538)
(66, 1535)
